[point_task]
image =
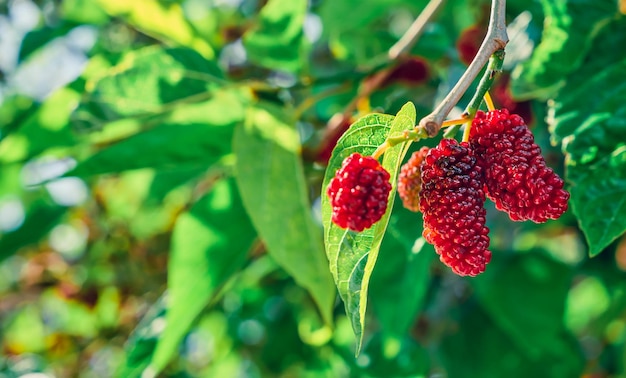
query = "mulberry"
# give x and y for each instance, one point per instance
(410, 180)
(359, 192)
(517, 178)
(452, 200)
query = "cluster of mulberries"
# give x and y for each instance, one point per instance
(452, 200)
(449, 185)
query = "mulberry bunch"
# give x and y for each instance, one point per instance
(517, 178)
(452, 200)
(410, 180)
(359, 192)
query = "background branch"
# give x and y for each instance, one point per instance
(336, 125)
(415, 31)
(496, 39)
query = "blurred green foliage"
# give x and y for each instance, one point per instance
(161, 165)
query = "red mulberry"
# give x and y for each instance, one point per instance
(517, 178)
(359, 192)
(452, 200)
(410, 180)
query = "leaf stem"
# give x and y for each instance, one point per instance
(413, 135)
(495, 40)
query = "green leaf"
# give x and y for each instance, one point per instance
(38, 38)
(165, 147)
(525, 296)
(353, 255)
(275, 192)
(83, 11)
(166, 22)
(40, 128)
(14, 110)
(592, 130)
(567, 36)
(146, 82)
(402, 276)
(209, 244)
(277, 41)
(480, 348)
(142, 341)
(40, 218)
(172, 145)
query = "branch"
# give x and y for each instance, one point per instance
(336, 125)
(496, 39)
(415, 31)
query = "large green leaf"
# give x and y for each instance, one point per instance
(568, 33)
(480, 348)
(525, 296)
(209, 244)
(353, 255)
(275, 192)
(277, 41)
(167, 146)
(173, 145)
(592, 129)
(147, 81)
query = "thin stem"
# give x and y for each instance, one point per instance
(310, 101)
(489, 102)
(451, 132)
(495, 65)
(496, 39)
(381, 150)
(413, 135)
(414, 32)
(466, 131)
(454, 122)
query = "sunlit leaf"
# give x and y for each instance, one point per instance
(277, 41)
(190, 142)
(209, 244)
(145, 82)
(353, 255)
(275, 192)
(163, 21)
(46, 127)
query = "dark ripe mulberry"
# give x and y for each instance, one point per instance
(517, 178)
(452, 200)
(410, 180)
(359, 192)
